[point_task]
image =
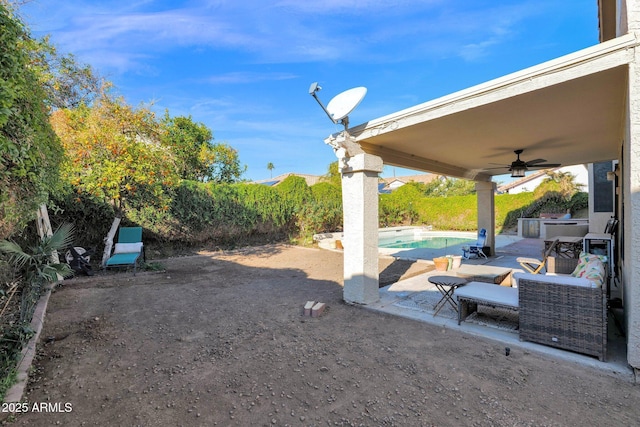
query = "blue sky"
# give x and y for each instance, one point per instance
(244, 67)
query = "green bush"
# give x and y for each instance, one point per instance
(264, 207)
(228, 215)
(322, 213)
(90, 216)
(510, 207)
(399, 207)
(449, 213)
(30, 152)
(578, 202)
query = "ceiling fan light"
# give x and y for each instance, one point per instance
(517, 172)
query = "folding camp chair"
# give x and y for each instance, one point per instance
(611, 227)
(478, 248)
(128, 249)
(533, 265)
(79, 259)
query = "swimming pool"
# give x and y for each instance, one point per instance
(421, 238)
(426, 242)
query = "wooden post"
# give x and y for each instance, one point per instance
(108, 241)
(44, 230)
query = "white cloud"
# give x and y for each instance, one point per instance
(282, 31)
(248, 77)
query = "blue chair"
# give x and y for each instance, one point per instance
(476, 249)
(128, 249)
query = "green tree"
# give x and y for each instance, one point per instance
(114, 153)
(195, 156)
(448, 187)
(563, 183)
(333, 174)
(270, 168)
(224, 164)
(66, 82)
(30, 153)
(190, 142)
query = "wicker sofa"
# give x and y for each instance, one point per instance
(563, 311)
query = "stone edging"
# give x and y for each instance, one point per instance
(15, 393)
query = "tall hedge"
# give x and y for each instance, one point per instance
(30, 153)
(244, 213)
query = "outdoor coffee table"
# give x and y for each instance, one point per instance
(447, 286)
(484, 273)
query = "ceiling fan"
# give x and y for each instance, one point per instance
(519, 167)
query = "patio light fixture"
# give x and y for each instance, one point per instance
(518, 172)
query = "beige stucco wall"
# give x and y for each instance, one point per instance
(485, 192)
(631, 195)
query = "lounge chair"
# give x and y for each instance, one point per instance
(533, 265)
(128, 249)
(478, 248)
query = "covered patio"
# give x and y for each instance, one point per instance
(577, 109)
(414, 298)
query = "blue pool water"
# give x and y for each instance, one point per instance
(434, 242)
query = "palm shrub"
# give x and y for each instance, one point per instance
(38, 267)
(33, 270)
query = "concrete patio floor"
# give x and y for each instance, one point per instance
(508, 248)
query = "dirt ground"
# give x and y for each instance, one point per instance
(220, 339)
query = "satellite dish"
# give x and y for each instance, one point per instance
(344, 103)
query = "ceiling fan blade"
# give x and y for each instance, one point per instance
(534, 161)
(544, 166)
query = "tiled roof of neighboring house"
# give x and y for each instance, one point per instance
(310, 179)
(424, 178)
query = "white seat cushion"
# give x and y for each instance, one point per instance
(127, 248)
(490, 293)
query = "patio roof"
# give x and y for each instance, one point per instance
(569, 110)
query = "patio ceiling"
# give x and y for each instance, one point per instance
(569, 111)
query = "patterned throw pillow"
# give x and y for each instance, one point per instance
(583, 260)
(591, 267)
(595, 272)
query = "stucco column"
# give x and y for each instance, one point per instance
(360, 210)
(631, 196)
(487, 211)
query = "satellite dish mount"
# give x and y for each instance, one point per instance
(341, 105)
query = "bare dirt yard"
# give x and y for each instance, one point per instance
(220, 339)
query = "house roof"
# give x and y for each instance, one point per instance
(524, 180)
(310, 179)
(568, 111)
(423, 178)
